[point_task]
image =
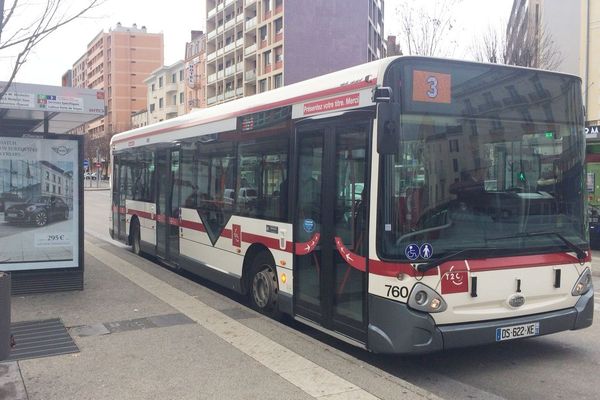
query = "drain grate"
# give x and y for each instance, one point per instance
(36, 339)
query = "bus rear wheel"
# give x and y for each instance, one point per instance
(264, 288)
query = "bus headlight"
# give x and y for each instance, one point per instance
(583, 284)
(424, 298)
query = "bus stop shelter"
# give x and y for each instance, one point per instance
(41, 184)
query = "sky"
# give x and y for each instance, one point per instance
(176, 18)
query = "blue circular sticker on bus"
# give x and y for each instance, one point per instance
(426, 251)
(412, 252)
(309, 225)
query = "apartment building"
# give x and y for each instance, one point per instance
(118, 62)
(195, 67)
(166, 92)
(539, 36)
(574, 28)
(247, 41)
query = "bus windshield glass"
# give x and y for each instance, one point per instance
(495, 161)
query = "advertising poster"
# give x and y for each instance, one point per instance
(39, 202)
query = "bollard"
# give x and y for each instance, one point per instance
(5, 338)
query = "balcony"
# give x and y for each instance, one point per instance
(263, 43)
(212, 12)
(211, 56)
(267, 15)
(248, 2)
(220, 29)
(220, 97)
(220, 52)
(211, 35)
(278, 10)
(228, 2)
(250, 75)
(239, 42)
(229, 47)
(229, 24)
(278, 65)
(212, 78)
(220, 75)
(211, 100)
(239, 91)
(229, 94)
(251, 23)
(220, 7)
(250, 49)
(278, 37)
(267, 69)
(171, 87)
(230, 70)
(171, 109)
(239, 19)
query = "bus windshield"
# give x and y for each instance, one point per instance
(476, 182)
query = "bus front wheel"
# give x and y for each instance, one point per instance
(263, 286)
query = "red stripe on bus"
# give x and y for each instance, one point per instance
(384, 268)
(281, 103)
(141, 214)
(537, 260)
(196, 226)
(270, 242)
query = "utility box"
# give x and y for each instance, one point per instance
(4, 315)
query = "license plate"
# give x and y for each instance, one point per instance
(12, 214)
(517, 331)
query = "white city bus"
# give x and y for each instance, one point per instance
(406, 205)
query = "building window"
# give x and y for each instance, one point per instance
(279, 25)
(181, 77)
(278, 80)
(160, 103)
(181, 98)
(455, 164)
(152, 107)
(174, 78)
(262, 85)
(160, 82)
(453, 145)
(267, 58)
(174, 99)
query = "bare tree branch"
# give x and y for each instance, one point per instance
(424, 29)
(24, 39)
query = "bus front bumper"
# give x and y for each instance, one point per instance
(395, 328)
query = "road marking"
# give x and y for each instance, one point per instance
(313, 379)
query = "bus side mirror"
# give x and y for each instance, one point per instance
(388, 128)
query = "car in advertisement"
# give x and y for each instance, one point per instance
(39, 211)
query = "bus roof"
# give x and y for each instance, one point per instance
(334, 84)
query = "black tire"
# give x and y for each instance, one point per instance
(263, 290)
(40, 218)
(135, 238)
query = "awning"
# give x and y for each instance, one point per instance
(55, 109)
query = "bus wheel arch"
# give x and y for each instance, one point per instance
(260, 282)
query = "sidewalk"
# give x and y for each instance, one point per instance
(89, 184)
(144, 332)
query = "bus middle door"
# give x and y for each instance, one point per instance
(167, 204)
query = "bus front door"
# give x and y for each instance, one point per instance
(167, 205)
(330, 220)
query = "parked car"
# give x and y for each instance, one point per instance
(90, 175)
(38, 211)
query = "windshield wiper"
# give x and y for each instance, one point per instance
(576, 249)
(452, 256)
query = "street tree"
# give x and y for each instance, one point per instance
(536, 50)
(424, 29)
(24, 24)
